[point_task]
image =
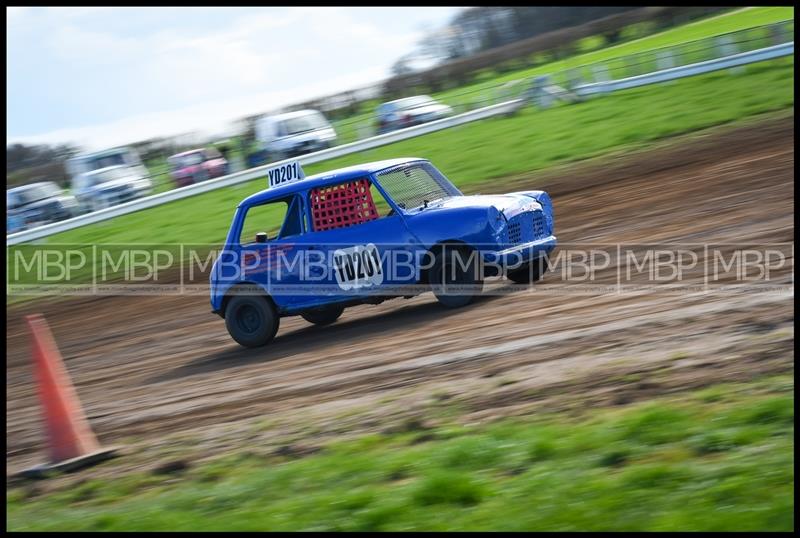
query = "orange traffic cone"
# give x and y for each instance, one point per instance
(71, 442)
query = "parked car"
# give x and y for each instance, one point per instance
(409, 111)
(293, 134)
(336, 248)
(37, 203)
(197, 165)
(110, 186)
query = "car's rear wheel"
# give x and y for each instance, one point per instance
(252, 320)
(455, 275)
(531, 272)
(323, 316)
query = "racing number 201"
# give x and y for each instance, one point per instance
(358, 267)
(284, 174)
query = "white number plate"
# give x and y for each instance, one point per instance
(358, 267)
(285, 173)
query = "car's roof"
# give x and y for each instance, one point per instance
(106, 169)
(289, 115)
(29, 186)
(101, 153)
(325, 178)
(188, 152)
(408, 98)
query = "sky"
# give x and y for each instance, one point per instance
(100, 77)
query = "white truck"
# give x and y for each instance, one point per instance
(105, 178)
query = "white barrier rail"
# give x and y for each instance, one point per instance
(663, 75)
(259, 172)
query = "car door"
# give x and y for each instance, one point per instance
(276, 263)
(360, 252)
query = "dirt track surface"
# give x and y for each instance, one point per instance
(162, 376)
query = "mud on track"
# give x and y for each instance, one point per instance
(161, 375)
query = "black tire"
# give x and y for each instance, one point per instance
(455, 265)
(251, 320)
(323, 316)
(531, 272)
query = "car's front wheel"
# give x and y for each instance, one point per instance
(323, 316)
(455, 275)
(531, 272)
(252, 320)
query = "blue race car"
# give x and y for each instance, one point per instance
(367, 233)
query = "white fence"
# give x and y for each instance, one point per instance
(663, 75)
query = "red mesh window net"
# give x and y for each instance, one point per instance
(343, 205)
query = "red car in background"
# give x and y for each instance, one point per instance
(197, 165)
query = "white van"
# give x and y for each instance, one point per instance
(294, 133)
(109, 177)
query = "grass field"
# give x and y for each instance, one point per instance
(717, 459)
(727, 22)
(477, 153)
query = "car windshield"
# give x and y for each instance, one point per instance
(301, 124)
(104, 176)
(31, 194)
(415, 102)
(96, 163)
(411, 186)
(182, 161)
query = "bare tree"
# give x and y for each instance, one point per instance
(402, 66)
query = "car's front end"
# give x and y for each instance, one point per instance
(195, 166)
(59, 208)
(189, 175)
(410, 111)
(302, 143)
(121, 193)
(108, 188)
(524, 231)
(510, 231)
(40, 203)
(51, 210)
(25, 219)
(428, 113)
(216, 167)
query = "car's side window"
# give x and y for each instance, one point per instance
(346, 204)
(381, 205)
(279, 219)
(293, 223)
